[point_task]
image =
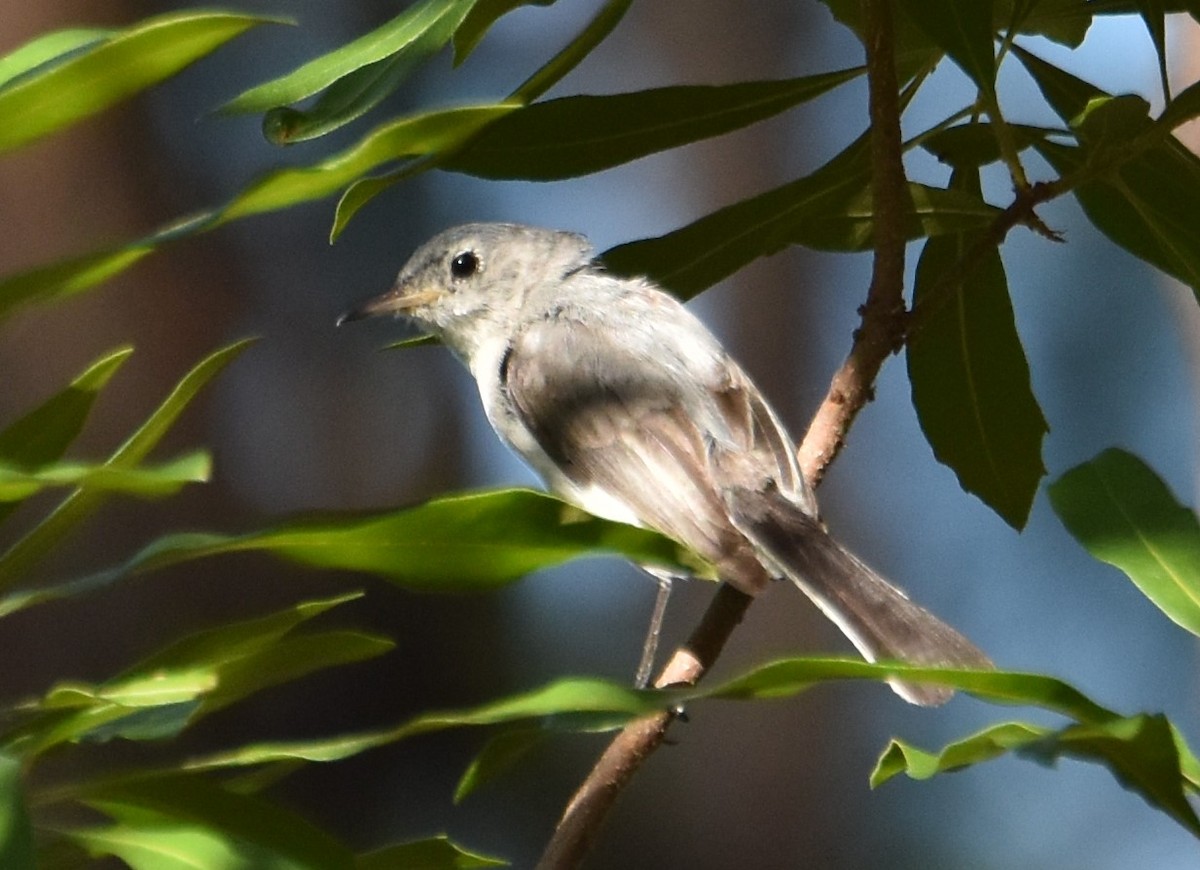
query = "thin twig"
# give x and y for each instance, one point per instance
(881, 334)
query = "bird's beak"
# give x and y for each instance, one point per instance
(399, 300)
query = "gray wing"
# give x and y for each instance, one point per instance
(632, 403)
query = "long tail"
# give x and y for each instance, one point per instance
(878, 618)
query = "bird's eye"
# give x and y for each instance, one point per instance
(464, 265)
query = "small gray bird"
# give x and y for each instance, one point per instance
(629, 407)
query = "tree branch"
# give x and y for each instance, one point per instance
(881, 334)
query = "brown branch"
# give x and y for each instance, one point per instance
(881, 334)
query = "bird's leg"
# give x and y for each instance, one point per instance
(650, 646)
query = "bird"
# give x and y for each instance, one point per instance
(627, 405)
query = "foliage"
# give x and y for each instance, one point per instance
(968, 372)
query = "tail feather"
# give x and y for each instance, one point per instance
(879, 619)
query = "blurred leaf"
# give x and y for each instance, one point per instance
(195, 676)
(970, 145)
(970, 380)
(415, 341)
(459, 542)
(407, 137)
(48, 47)
(183, 821)
(1183, 108)
(1152, 13)
(963, 31)
(154, 481)
(1139, 750)
(436, 853)
(496, 758)
(579, 135)
(21, 556)
(16, 832)
(133, 60)
(828, 210)
(1123, 514)
(479, 20)
(66, 277)
(419, 30)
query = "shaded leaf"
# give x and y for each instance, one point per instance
(966, 146)
(66, 277)
(134, 59)
(1140, 751)
(1112, 121)
(408, 33)
(436, 853)
(176, 820)
(578, 135)
(47, 48)
(963, 31)
(1183, 108)
(1063, 21)
(913, 48)
(497, 757)
(1153, 14)
(479, 20)
(22, 555)
(1123, 514)
(970, 379)
(16, 831)
(154, 481)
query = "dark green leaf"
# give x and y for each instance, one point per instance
(47, 48)
(183, 821)
(1111, 121)
(66, 277)
(578, 135)
(480, 19)
(1122, 512)
(436, 853)
(415, 341)
(412, 32)
(1183, 108)
(963, 31)
(914, 50)
(1139, 750)
(133, 60)
(1063, 21)
(970, 380)
(22, 555)
(966, 146)
(16, 832)
(497, 757)
(1066, 94)
(1152, 13)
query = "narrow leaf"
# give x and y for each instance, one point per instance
(963, 31)
(970, 380)
(1123, 514)
(968, 146)
(66, 277)
(16, 832)
(436, 853)
(402, 34)
(480, 19)
(497, 757)
(26, 552)
(47, 48)
(1063, 21)
(902, 757)
(154, 481)
(579, 135)
(136, 58)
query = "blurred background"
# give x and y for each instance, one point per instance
(317, 418)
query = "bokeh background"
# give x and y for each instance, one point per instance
(317, 418)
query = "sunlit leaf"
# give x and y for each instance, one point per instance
(145, 481)
(22, 555)
(1123, 513)
(134, 59)
(16, 832)
(582, 134)
(1139, 750)
(408, 32)
(436, 853)
(970, 379)
(47, 48)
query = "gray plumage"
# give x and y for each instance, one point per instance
(627, 405)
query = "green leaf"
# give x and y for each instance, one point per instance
(480, 19)
(963, 31)
(970, 380)
(1139, 750)
(16, 832)
(47, 48)
(1112, 121)
(418, 30)
(1153, 15)
(133, 60)
(1063, 21)
(460, 542)
(21, 556)
(1123, 514)
(415, 341)
(436, 853)
(413, 136)
(183, 821)
(66, 277)
(1182, 109)
(966, 146)
(579, 135)
(914, 50)
(593, 33)
(828, 210)
(17, 484)
(497, 757)
(1066, 94)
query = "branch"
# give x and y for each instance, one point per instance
(881, 334)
